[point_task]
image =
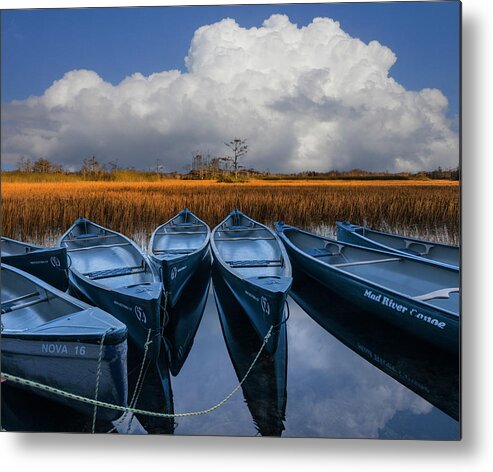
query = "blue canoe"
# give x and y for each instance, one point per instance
(441, 254)
(254, 264)
(52, 338)
(416, 295)
(110, 271)
(176, 248)
(48, 264)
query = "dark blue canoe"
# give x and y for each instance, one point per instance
(416, 295)
(48, 264)
(440, 254)
(54, 339)
(255, 266)
(176, 248)
(110, 271)
(264, 389)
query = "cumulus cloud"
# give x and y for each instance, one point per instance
(305, 98)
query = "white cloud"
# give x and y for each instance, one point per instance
(305, 98)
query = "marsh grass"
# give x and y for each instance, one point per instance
(41, 212)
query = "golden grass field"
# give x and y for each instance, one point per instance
(40, 212)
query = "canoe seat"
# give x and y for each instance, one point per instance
(245, 238)
(188, 225)
(87, 236)
(231, 229)
(320, 252)
(100, 246)
(173, 251)
(418, 248)
(7, 305)
(13, 307)
(360, 263)
(174, 233)
(442, 293)
(104, 274)
(255, 263)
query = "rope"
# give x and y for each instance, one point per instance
(138, 386)
(98, 375)
(134, 410)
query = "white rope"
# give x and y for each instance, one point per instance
(73, 396)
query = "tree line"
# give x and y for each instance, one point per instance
(226, 168)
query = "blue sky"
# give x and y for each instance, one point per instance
(378, 91)
(39, 46)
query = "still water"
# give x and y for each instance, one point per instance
(337, 372)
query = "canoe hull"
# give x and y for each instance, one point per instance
(139, 314)
(264, 304)
(62, 365)
(177, 272)
(49, 265)
(432, 325)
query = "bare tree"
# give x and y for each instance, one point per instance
(239, 148)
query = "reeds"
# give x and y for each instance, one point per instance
(40, 212)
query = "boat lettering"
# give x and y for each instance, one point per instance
(116, 302)
(80, 350)
(182, 268)
(54, 348)
(38, 262)
(55, 262)
(140, 314)
(265, 305)
(390, 303)
(251, 295)
(174, 272)
(428, 319)
(380, 298)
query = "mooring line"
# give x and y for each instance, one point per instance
(98, 375)
(73, 396)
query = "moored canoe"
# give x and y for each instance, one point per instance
(440, 254)
(416, 295)
(176, 248)
(48, 264)
(255, 266)
(57, 340)
(110, 271)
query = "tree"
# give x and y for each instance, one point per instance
(92, 167)
(42, 166)
(239, 148)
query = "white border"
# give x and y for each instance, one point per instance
(39, 452)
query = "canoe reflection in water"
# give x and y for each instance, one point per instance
(184, 318)
(183, 321)
(265, 387)
(428, 371)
